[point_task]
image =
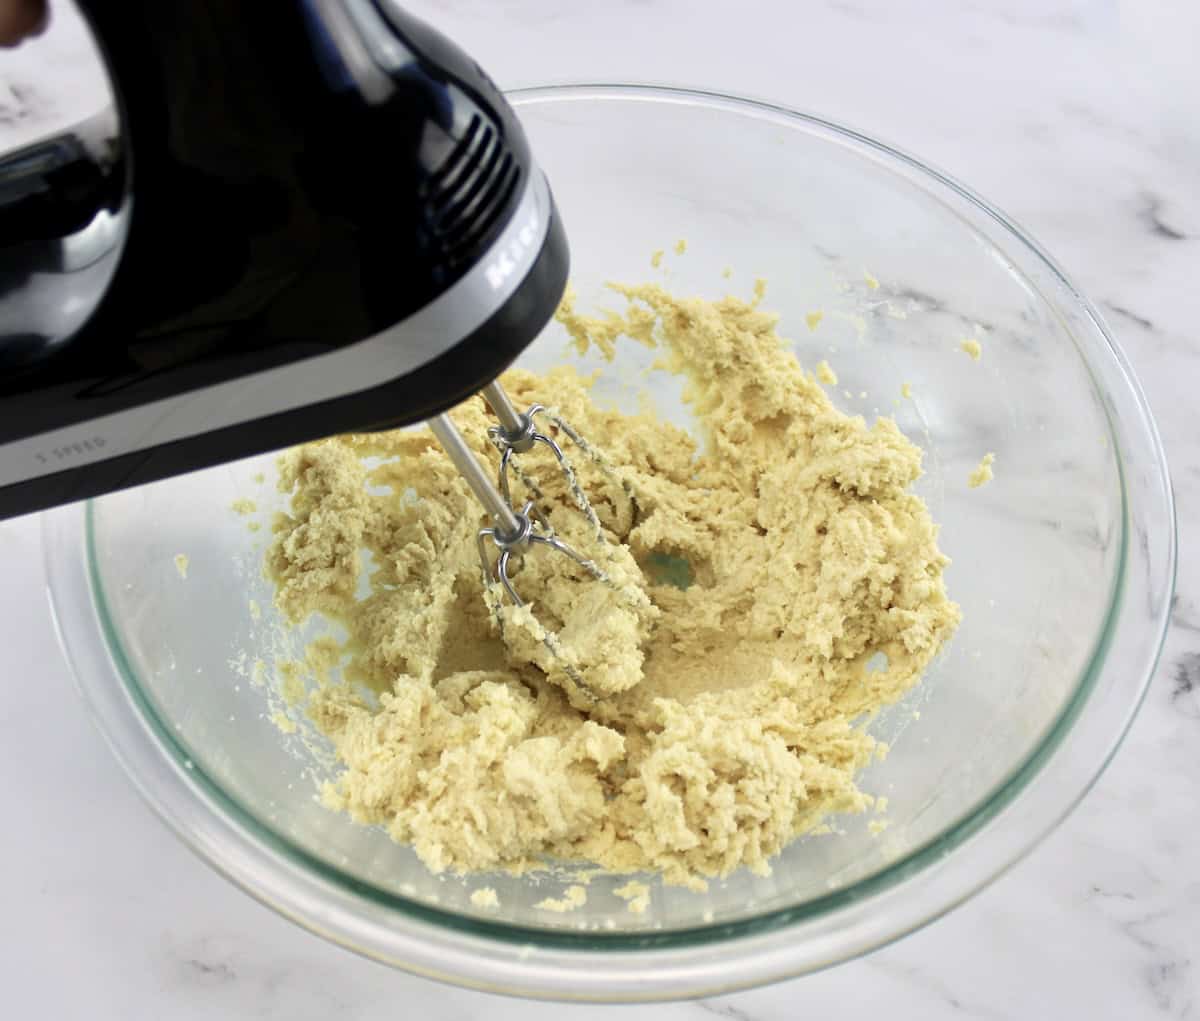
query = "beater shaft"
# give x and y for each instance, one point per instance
(516, 428)
(516, 431)
(497, 508)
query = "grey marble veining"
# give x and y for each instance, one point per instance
(1077, 117)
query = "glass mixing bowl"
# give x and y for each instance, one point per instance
(1063, 567)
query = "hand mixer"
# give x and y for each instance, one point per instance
(288, 220)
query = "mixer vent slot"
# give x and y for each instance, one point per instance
(467, 195)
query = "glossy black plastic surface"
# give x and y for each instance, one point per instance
(437, 386)
(272, 214)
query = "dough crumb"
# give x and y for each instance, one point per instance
(485, 897)
(906, 390)
(181, 564)
(657, 258)
(681, 246)
(575, 897)
(259, 478)
(291, 682)
(982, 473)
(636, 895)
(283, 722)
(253, 526)
(243, 506)
(877, 826)
(871, 281)
(972, 347)
(727, 272)
(813, 319)
(255, 610)
(760, 291)
(826, 374)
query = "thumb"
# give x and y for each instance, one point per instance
(21, 19)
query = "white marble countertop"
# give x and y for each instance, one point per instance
(1079, 118)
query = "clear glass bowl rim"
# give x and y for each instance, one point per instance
(615, 966)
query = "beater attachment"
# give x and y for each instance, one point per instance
(514, 532)
(517, 433)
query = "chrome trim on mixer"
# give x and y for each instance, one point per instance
(400, 349)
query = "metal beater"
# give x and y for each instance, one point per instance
(514, 532)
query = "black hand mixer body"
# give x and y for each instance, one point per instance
(304, 217)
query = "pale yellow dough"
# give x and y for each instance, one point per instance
(982, 473)
(575, 897)
(636, 895)
(781, 550)
(485, 897)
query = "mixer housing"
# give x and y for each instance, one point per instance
(288, 220)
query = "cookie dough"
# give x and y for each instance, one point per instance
(575, 897)
(636, 895)
(485, 897)
(982, 473)
(779, 550)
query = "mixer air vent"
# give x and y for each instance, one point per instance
(468, 194)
